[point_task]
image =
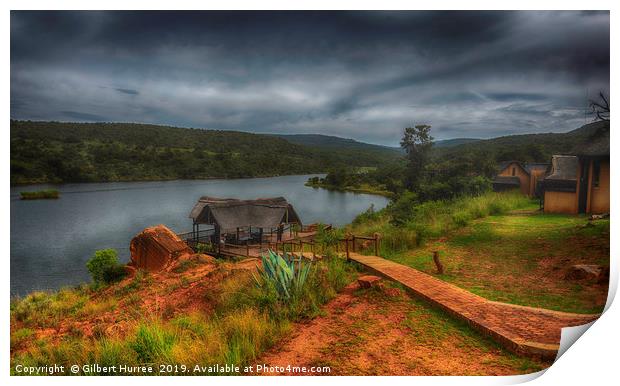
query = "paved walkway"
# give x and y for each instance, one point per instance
(526, 331)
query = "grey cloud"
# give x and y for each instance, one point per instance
(364, 75)
(127, 91)
(83, 116)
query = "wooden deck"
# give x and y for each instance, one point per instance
(290, 241)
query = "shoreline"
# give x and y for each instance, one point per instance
(32, 183)
(376, 192)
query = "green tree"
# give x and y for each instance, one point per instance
(417, 143)
(101, 264)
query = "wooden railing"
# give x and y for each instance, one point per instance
(350, 243)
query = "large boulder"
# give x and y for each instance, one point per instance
(157, 247)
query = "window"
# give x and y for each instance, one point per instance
(596, 174)
(514, 170)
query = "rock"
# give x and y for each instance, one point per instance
(584, 271)
(599, 216)
(368, 281)
(157, 247)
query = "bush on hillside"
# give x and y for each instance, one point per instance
(104, 267)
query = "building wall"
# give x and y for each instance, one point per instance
(524, 178)
(598, 198)
(561, 202)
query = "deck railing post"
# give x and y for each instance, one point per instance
(346, 246)
(376, 244)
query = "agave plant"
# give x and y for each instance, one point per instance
(287, 275)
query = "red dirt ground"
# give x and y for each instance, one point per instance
(366, 332)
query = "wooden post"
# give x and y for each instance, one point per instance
(353, 244)
(437, 262)
(346, 243)
(376, 244)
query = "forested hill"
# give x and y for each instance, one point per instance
(453, 142)
(524, 147)
(85, 152)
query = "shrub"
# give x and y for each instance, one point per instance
(152, 342)
(403, 209)
(114, 273)
(286, 275)
(461, 219)
(104, 266)
(368, 215)
(20, 337)
(204, 248)
(421, 234)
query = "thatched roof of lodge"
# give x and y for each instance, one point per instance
(230, 213)
(563, 176)
(563, 167)
(598, 143)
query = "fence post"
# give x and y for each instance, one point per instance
(353, 243)
(376, 244)
(346, 243)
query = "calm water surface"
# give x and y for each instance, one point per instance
(51, 240)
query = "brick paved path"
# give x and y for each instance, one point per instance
(526, 331)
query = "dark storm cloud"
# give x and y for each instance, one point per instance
(364, 75)
(127, 91)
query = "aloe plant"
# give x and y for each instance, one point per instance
(287, 275)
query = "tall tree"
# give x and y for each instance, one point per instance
(417, 143)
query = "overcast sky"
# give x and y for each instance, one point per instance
(362, 75)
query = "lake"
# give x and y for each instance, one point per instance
(51, 240)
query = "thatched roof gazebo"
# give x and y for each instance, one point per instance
(243, 219)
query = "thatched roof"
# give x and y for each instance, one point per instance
(598, 143)
(563, 167)
(563, 176)
(230, 213)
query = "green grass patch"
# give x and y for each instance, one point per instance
(40, 195)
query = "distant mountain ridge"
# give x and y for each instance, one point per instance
(331, 141)
(454, 142)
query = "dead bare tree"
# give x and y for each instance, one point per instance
(600, 108)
